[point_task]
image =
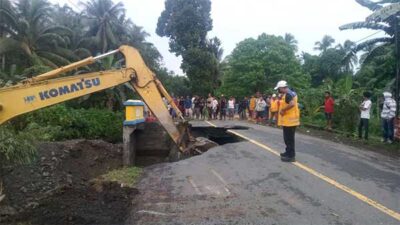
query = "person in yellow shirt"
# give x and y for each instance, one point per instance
(252, 106)
(273, 110)
(289, 119)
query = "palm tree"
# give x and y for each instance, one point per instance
(103, 16)
(385, 17)
(31, 32)
(6, 16)
(350, 60)
(326, 42)
(67, 17)
(291, 40)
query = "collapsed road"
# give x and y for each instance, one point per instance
(245, 183)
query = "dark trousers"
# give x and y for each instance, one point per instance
(363, 124)
(388, 129)
(288, 137)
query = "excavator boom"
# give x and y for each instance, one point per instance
(49, 89)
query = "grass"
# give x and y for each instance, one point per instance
(126, 176)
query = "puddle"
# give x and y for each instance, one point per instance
(218, 134)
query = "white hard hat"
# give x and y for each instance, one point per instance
(387, 94)
(281, 84)
(274, 95)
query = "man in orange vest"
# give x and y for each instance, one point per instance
(273, 110)
(252, 107)
(289, 119)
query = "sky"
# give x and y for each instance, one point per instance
(235, 20)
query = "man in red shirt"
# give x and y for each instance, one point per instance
(329, 109)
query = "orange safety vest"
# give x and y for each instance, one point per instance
(252, 104)
(291, 118)
(274, 105)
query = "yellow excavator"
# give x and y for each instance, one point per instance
(49, 88)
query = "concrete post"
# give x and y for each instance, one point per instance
(129, 149)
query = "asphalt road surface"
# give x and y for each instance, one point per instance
(246, 183)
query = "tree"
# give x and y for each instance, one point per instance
(103, 16)
(385, 17)
(326, 42)
(350, 60)
(185, 23)
(257, 64)
(31, 32)
(291, 40)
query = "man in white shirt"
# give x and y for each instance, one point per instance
(388, 114)
(365, 109)
(214, 105)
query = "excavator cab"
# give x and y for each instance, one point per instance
(50, 88)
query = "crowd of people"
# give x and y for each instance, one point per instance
(259, 108)
(264, 109)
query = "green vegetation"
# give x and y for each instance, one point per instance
(186, 24)
(126, 176)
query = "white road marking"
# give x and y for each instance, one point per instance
(195, 187)
(222, 180)
(154, 213)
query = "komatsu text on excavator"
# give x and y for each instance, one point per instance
(49, 88)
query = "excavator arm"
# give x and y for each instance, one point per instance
(49, 89)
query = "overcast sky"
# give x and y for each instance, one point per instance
(235, 20)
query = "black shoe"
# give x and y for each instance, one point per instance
(283, 154)
(288, 159)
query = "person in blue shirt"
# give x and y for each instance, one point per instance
(188, 107)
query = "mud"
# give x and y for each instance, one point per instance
(58, 188)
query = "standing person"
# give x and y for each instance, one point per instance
(210, 100)
(202, 106)
(242, 108)
(197, 107)
(252, 106)
(273, 110)
(268, 101)
(231, 108)
(188, 107)
(289, 119)
(260, 109)
(329, 105)
(388, 114)
(222, 108)
(365, 109)
(214, 109)
(181, 105)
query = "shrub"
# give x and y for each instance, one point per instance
(16, 147)
(60, 123)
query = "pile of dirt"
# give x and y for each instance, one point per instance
(59, 188)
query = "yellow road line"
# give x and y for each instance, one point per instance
(382, 208)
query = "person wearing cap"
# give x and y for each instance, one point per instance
(365, 115)
(289, 119)
(273, 110)
(388, 114)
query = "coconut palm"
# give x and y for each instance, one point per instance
(326, 42)
(351, 59)
(103, 17)
(291, 40)
(30, 31)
